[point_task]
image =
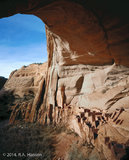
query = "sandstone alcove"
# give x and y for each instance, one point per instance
(88, 53)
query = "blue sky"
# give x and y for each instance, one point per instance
(22, 42)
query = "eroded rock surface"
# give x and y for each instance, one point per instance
(87, 79)
(27, 87)
(93, 101)
(106, 131)
(26, 80)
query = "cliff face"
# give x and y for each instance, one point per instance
(24, 85)
(26, 80)
(87, 79)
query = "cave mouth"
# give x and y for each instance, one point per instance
(84, 39)
(22, 42)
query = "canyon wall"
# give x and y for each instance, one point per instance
(26, 80)
(20, 91)
(86, 85)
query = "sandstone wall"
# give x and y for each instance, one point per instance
(26, 80)
(86, 84)
(27, 87)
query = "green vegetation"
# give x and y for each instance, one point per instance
(6, 100)
(38, 63)
(2, 82)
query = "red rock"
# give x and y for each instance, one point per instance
(88, 54)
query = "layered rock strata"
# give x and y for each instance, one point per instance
(87, 81)
(90, 100)
(27, 86)
(26, 80)
(106, 131)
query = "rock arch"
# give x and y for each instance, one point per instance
(84, 38)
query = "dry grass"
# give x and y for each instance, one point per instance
(28, 138)
(76, 154)
(34, 138)
(79, 151)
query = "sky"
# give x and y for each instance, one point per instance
(22, 42)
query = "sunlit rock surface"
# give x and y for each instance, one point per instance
(26, 80)
(26, 87)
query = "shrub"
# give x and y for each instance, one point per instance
(27, 138)
(75, 153)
